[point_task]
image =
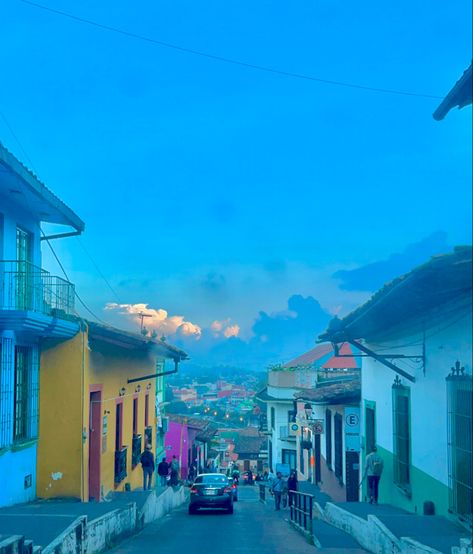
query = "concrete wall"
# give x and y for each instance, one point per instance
(105, 531)
(69, 370)
(15, 464)
(445, 343)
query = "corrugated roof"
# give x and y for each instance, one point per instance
(35, 193)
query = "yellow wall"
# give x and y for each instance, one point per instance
(68, 370)
(60, 422)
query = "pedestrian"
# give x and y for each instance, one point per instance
(174, 472)
(147, 463)
(192, 471)
(163, 471)
(292, 486)
(373, 470)
(278, 487)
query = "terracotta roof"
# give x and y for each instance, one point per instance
(248, 445)
(310, 358)
(338, 362)
(334, 393)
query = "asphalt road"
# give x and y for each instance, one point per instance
(253, 528)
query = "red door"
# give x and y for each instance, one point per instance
(95, 435)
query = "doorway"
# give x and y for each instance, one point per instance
(95, 435)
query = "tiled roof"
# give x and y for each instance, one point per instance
(324, 357)
(310, 358)
(442, 279)
(249, 445)
(335, 393)
(340, 362)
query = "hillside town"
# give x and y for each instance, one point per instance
(112, 437)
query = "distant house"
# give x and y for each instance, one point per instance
(313, 369)
(417, 383)
(249, 451)
(97, 410)
(34, 305)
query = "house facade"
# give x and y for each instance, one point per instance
(103, 382)
(34, 306)
(417, 384)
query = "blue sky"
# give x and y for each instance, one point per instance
(216, 192)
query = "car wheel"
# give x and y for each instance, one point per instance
(230, 509)
(192, 510)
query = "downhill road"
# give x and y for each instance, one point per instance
(252, 529)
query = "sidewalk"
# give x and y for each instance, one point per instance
(43, 520)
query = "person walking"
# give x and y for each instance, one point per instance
(147, 464)
(174, 472)
(292, 486)
(278, 486)
(373, 470)
(163, 471)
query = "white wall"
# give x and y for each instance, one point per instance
(445, 343)
(281, 419)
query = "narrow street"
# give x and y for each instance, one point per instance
(253, 528)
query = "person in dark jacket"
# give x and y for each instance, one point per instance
(292, 486)
(163, 471)
(147, 463)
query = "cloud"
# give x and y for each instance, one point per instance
(224, 328)
(373, 276)
(157, 319)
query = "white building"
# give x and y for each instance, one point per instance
(417, 384)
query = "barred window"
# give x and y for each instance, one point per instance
(401, 435)
(460, 470)
(25, 394)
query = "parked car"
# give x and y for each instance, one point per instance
(211, 490)
(233, 484)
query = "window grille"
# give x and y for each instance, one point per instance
(328, 437)
(459, 418)
(6, 390)
(401, 434)
(25, 394)
(273, 418)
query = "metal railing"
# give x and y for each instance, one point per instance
(26, 287)
(136, 450)
(302, 510)
(120, 464)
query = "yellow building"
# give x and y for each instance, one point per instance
(97, 411)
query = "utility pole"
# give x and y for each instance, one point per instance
(141, 315)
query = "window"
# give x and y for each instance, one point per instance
(24, 271)
(460, 470)
(289, 457)
(25, 394)
(135, 416)
(338, 439)
(118, 426)
(401, 435)
(273, 418)
(328, 438)
(370, 430)
(146, 410)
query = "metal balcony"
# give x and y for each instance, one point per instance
(120, 465)
(25, 287)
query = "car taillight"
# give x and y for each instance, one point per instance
(233, 486)
(193, 490)
(227, 489)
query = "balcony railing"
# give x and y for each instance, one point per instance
(136, 450)
(26, 287)
(120, 465)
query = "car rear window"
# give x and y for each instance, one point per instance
(212, 479)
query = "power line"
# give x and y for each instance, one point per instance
(41, 230)
(228, 60)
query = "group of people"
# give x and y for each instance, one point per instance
(168, 472)
(282, 489)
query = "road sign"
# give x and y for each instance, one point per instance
(352, 428)
(294, 429)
